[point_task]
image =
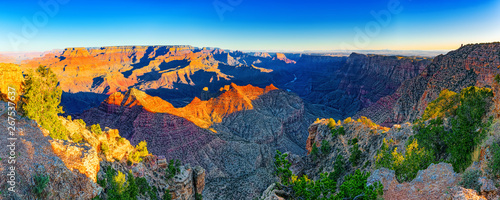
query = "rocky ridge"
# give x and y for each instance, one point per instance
(471, 65)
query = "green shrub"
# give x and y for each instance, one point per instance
(325, 147)
(355, 152)
(132, 190)
(354, 187)
(431, 137)
(198, 196)
(167, 195)
(173, 168)
(338, 168)
(494, 163)
(337, 131)
(470, 180)
(96, 129)
(282, 168)
(464, 136)
(405, 166)
(41, 183)
(497, 78)
(41, 100)
(314, 152)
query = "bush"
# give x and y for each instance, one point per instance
(132, 190)
(464, 136)
(338, 168)
(282, 168)
(141, 151)
(314, 152)
(337, 131)
(104, 148)
(494, 163)
(173, 168)
(96, 129)
(167, 195)
(325, 147)
(405, 166)
(354, 187)
(41, 100)
(445, 105)
(41, 183)
(81, 122)
(431, 137)
(119, 183)
(497, 78)
(77, 137)
(198, 196)
(304, 188)
(470, 180)
(355, 152)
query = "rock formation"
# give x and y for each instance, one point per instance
(235, 143)
(474, 64)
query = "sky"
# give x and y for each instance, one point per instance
(40, 25)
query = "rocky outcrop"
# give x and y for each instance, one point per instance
(236, 150)
(438, 181)
(34, 155)
(474, 64)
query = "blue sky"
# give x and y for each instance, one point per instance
(249, 24)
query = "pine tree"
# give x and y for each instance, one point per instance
(41, 101)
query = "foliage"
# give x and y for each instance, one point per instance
(81, 122)
(96, 129)
(405, 166)
(77, 137)
(497, 78)
(304, 188)
(338, 168)
(104, 148)
(41, 183)
(348, 120)
(173, 168)
(443, 106)
(41, 101)
(337, 131)
(141, 151)
(465, 111)
(282, 168)
(355, 152)
(198, 196)
(314, 152)
(354, 187)
(431, 137)
(132, 190)
(119, 183)
(467, 127)
(118, 186)
(167, 195)
(470, 180)
(494, 163)
(331, 123)
(326, 186)
(367, 122)
(325, 147)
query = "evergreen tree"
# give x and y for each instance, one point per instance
(41, 101)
